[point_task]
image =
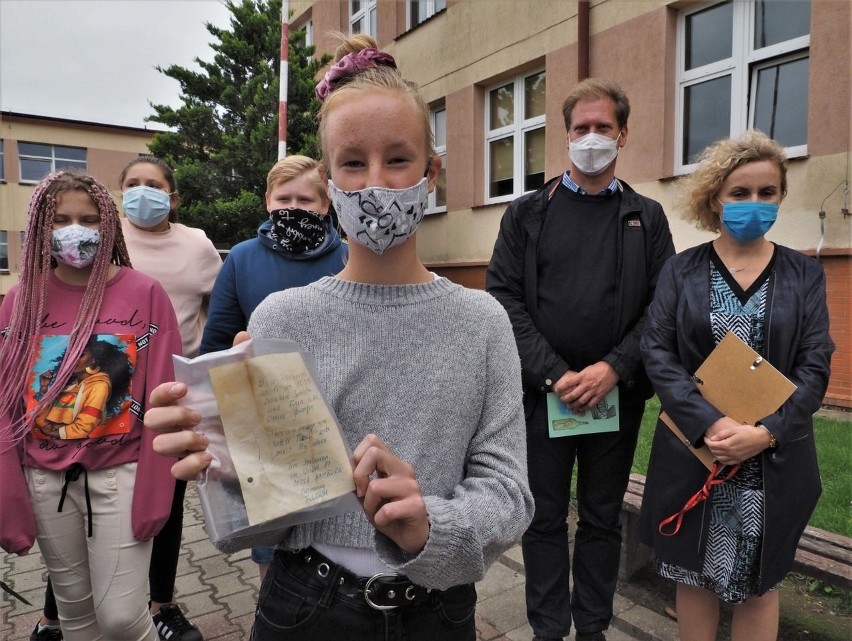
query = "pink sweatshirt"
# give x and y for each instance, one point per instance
(136, 321)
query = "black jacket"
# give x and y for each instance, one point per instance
(677, 339)
(644, 244)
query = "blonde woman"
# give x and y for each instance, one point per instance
(740, 546)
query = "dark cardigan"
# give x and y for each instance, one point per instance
(677, 339)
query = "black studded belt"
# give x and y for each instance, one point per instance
(383, 591)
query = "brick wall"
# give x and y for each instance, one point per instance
(838, 273)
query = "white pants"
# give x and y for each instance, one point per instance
(100, 581)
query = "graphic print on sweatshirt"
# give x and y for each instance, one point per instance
(95, 400)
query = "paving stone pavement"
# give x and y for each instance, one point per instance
(218, 593)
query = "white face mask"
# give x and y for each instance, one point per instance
(75, 245)
(380, 218)
(593, 153)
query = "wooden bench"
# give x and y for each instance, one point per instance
(822, 555)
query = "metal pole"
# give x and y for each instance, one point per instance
(282, 94)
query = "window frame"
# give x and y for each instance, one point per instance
(2, 161)
(432, 8)
(308, 28)
(4, 252)
(742, 67)
(368, 12)
(517, 130)
(54, 157)
(432, 206)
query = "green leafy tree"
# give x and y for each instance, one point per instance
(224, 137)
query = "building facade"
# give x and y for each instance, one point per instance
(495, 73)
(32, 147)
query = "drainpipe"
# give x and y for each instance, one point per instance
(582, 39)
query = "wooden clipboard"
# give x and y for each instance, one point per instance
(739, 383)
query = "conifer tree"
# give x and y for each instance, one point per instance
(224, 137)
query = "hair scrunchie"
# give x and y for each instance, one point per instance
(350, 65)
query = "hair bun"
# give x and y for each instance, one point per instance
(351, 65)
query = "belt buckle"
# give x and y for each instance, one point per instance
(370, 581)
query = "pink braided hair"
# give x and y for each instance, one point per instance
(17, 351)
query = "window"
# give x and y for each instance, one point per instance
(743, 64)
(420, 11)
(38, 160)
(4, 252)
(306, 33)
(309, 33)
(2, 166)
(438, 197)
(514, 152)
(362, 17)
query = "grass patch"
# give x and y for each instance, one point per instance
(834, 452)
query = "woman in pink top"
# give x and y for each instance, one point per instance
(93, 498)
(186, 263)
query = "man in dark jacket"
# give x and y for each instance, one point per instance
(575, 266)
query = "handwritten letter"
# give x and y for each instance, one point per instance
(283, 440)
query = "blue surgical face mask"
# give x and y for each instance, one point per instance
(146, 206)
(748, 221)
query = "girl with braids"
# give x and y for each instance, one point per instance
(185, 263)
(92, 497)
(441, 476)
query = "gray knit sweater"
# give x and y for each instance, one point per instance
(433, 370)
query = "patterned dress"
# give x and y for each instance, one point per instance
(732, 559)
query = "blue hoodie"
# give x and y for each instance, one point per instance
(254, 269)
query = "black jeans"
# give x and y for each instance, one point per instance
(295, 602)
(603, 470)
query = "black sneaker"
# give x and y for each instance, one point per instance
(172, 625)
(46, 633)
(592, 636)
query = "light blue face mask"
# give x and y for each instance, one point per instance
(146, 206)
(748, 221)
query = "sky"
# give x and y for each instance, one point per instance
(94, 60)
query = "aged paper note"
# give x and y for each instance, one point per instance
(284, 442)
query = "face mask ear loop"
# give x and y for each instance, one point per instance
(721, 206)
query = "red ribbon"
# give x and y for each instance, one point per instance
(699, 497)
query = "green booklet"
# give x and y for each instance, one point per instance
(603, 417)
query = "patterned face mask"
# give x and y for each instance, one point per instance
(380, 218)
(75, 245)
(297, 230)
